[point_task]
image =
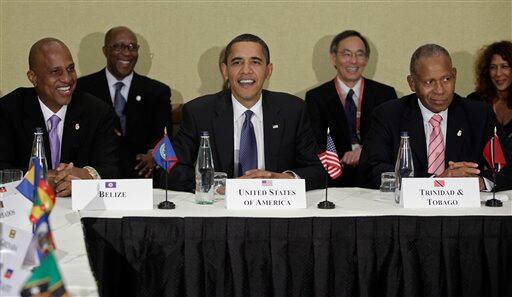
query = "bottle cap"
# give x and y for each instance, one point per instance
(204, 133)
(404, 134)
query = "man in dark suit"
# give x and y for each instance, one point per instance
(447, 133)
(79, 142)
(142, 104)
(255, 133)
(344, 105)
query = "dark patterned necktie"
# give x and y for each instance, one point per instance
(350, 111)
(248, 152)
(119, 103)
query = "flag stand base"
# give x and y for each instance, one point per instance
(166, 205)
(326, 205)
(493, 203)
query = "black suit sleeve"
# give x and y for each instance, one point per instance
(105, 147)
(182, 176)
(318, 120)
(8, 143)
(161, 115)
(306, 149)
(376, 156)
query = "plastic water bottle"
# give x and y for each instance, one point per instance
(204, 172)
(38, 152)
(404, 166)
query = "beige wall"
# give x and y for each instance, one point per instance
(181, 41)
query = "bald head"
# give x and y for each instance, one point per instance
(40, 47)
(118, 30)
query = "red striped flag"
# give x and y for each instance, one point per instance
(330, 160)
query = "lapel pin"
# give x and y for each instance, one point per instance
(275, 126)
(459, 133)
(138, 98)
(77, 126)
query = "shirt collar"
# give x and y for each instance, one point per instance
(127, 80)
(345, 89)
(47, 113)
(239, 109)
(427, 113)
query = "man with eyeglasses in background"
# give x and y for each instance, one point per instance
(142, 104)
(344, 104)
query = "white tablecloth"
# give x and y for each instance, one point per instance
(350, 202)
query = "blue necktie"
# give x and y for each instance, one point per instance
(119, 103)
(248, 151)
(350, 111)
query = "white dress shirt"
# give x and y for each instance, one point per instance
(47, 114)
(111, 80)
(257, 122)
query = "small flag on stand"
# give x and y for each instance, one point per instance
(164, 154)
(27, 186)
(330, 160)
(493, 153)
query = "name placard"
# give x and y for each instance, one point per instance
(265, 193)
(14, 207)
(112, 194)
(440, 192)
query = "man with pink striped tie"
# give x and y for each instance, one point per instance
(447, 133)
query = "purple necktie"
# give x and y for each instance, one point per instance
(54, 140)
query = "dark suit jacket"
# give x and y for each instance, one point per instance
(475, 121)
(87, 140)
(289, 146)
(145, 118)
(326, 111)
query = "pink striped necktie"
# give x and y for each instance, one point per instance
(436, 146)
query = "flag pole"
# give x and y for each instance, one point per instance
(326, 204)
(166, 204)
(493, 202)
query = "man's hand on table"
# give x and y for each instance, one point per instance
(258, 173)
(463, 169)
(60, 178)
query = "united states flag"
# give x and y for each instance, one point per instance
(330, 159)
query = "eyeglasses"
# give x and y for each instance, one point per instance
(359, 55)
(118, 47)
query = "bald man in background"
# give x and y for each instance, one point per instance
(79, 138)
(142, 104)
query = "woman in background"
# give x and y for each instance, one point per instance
(494, 81)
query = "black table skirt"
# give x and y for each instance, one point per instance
(354, 256)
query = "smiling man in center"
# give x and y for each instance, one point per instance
(255, 133)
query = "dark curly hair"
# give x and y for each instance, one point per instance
(484, 86)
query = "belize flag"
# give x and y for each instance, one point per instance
(164, 154)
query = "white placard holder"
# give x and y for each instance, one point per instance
(112, 194)
(265, 193)
(453, 192)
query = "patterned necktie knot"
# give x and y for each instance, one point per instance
(119, 85)
(54, 121)
(248, 115)
(435, 120)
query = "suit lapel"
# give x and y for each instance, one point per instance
(413, 124)
(455, 132)
(34, 119)
(105, 91)
(71, 132)
(273, 127)
(223, 132)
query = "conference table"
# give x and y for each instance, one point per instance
(366, 246)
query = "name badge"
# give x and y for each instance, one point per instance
(265, 193)
(114, 194)
(440, 192)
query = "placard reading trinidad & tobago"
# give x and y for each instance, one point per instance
(440, 192)
(265, 193)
